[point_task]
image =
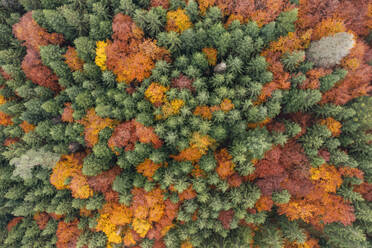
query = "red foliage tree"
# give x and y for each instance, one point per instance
(276, 126)
(183, 82)
(5, 75)
(124, 135)
(280, 81)
(235, 180)
(268, 166)
(103, 183)
(38, 73)
(147, 135)
(314, 206)
(162, 3)
(302, 119)
(261, 11)
(283, 167)
(13, 223)
(354, 13)
(355, 84)
(41, 220)
(226, 217)
(35, 36)
(312, 11)
(365, 189)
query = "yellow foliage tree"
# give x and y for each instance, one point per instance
(101, 54)
(178, 21)
(211, 54)
(155, 93)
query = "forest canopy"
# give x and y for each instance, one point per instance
(186, 123)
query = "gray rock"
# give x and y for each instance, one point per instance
(221, 67)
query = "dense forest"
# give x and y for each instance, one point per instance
(185, 123)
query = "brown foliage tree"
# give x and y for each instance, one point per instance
(67, 234)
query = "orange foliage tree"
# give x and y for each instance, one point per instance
(93, 125)
(357, 81)
(69, 167)
(148, 168)
(355, 84)
(147, 216)
(206, 112)
(130, 56)
(13, 222)
(155, 93)
(265, 203)
(333, 125)
(211, 54)
(72, 59)
(199, 145)
(225, 167)
(111, 215)
(205, 4)
(126, 134)
(26, 127)
(312, 78)
(5, 120)
(34, 35)
(327, 27)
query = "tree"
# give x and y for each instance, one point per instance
(330, 50)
